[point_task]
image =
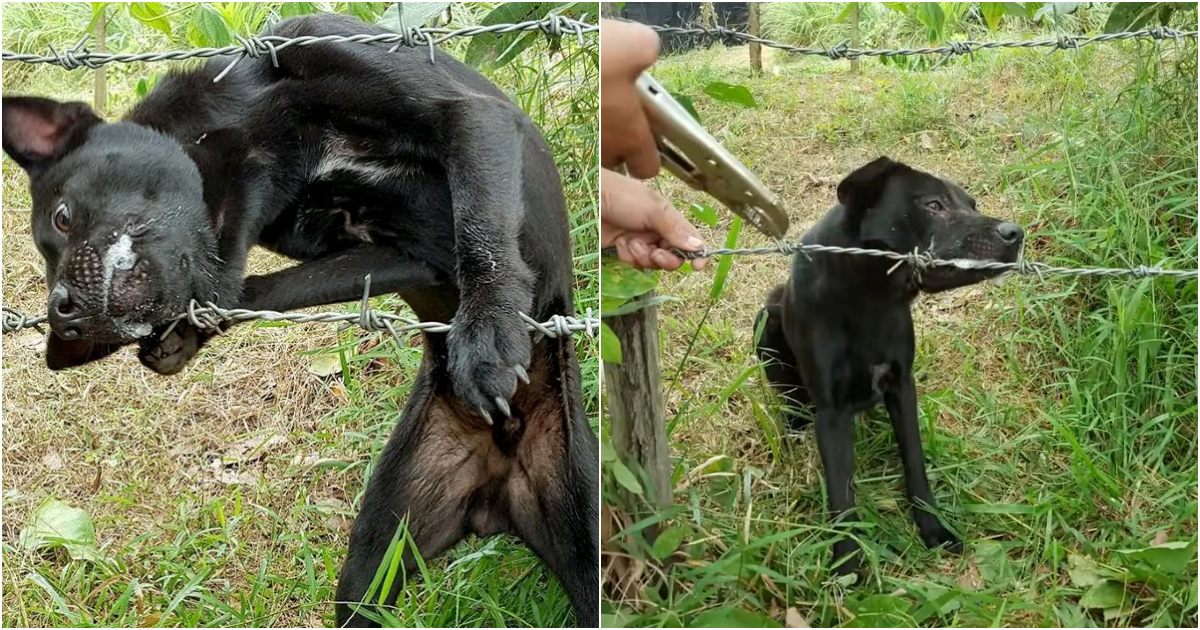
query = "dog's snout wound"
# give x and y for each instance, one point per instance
(119, 257)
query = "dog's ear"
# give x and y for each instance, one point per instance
(62, 354)
(861, 189)
(39, 131)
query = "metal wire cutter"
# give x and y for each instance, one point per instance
(694, 156)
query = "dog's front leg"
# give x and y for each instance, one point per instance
(336, 278)
(489, 346)
(901, 402)
(835, 440)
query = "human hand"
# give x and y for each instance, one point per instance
(643, 225)
(626, 48)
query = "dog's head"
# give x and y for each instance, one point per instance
(893, 207)
(120, 219)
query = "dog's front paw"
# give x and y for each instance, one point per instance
(489, 352)
(936, 535)
(168, 354)
(847, 557)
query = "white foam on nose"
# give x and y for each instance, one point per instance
(119, 256)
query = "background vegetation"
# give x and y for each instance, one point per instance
(1059, 415)
(223, 496)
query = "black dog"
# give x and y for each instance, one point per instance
(355, 160)
(839, 335)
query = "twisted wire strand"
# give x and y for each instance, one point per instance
(256, 46)
(843, 50)
(925, 260)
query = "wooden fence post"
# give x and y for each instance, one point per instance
(855, 11)
(755, 48)
(100, 75)
(634, 400)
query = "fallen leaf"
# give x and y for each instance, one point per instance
(794, 619)
(325, 365)
(1159, 538)
(252, 448)
(58, 525)
(52, 461)
(926, 141)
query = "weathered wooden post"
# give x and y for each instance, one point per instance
(755, 48)
(634, 400)
(855, 9)
(100, 76)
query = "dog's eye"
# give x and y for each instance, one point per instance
(933, 205)
(62, 217)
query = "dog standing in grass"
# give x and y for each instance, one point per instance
(838, 336)
(355, 160)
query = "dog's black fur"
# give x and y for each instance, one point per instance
(355, 160)
(839, 335)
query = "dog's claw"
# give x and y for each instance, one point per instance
(486, 416)
(521, 374)
(503, 405)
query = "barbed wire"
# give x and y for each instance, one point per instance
(257, 46)
(210, 317)
(844, 51)
(922, 260)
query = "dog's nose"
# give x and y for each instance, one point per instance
(63, 310)
(1010, 232)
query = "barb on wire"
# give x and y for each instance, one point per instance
(843, 50)
(257, 46)
(925, 260)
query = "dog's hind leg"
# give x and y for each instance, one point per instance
(425, 477)
(779, 362)
(552, 489)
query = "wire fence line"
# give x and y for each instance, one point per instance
(923, 260)
(844, 51)
(270, 45)
(209, 316)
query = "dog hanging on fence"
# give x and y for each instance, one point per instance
(356, 160)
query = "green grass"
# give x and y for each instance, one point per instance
(222, 496)
(1058, 415)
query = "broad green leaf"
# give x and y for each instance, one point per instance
(415, 13)
(993, 13)
(366, 11)
(152, 14)
(1055, 10)
(847, 12)
(498, 49)
(704, 213)
(142, 88)
(898, 7)
(98, 11)
(931, 16)
(728, 93)
(625, 477)
(58, 525)
(1085, 572)
(668, 541)
(622, 280)
(610, 345)
(993, 562)
(208, 28)
(633, 306)
(880, 610)
(1168, 559)
(686, 102)
(1107, 594)
(296, 9)
(1131, 16)
(726, 262)
(730, 617)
